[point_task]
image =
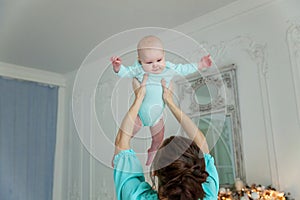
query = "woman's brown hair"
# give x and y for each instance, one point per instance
(180, 168)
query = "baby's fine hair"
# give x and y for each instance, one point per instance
(180, 168)
(150, 42)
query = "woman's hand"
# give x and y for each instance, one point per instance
(187, 124)
(167, 92)
(140, 88)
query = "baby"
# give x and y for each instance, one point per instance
(151, 61)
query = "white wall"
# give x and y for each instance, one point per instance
(85, 176)
(262, 38)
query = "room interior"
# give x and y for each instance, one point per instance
(254, 88)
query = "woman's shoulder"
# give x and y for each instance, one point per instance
(127, 161)
(124, 153)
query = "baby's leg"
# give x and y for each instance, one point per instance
(157, 133)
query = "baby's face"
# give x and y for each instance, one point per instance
(152, 60)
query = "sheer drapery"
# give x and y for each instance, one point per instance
(28, 115)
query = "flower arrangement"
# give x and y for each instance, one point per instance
(253, 192)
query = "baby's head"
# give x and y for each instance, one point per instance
(151, 54)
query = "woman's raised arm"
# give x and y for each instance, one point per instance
(187, 124)
(122, 141)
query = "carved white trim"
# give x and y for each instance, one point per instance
(58, 174)
(293, 42)
(74, 177)
(257, 52)
(216, 51)
(218, 102)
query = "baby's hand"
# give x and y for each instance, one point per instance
(205, 62)
(116, 63)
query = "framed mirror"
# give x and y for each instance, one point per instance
(211, 100)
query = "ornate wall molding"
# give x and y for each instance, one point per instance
(217, 51)
(257, 53)
(293, 43)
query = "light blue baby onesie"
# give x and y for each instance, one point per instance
(153, 105)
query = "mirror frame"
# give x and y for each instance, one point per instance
(216, 102)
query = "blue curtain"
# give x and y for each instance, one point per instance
(28, 114)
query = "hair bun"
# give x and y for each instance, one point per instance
(172, 190)
(196, 171)
(180, 168)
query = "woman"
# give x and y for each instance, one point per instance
(183, 167)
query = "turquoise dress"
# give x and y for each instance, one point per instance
(130, 181)
(153, 105)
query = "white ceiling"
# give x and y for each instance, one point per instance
(56, 35)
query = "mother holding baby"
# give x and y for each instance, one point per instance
(183, 167)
